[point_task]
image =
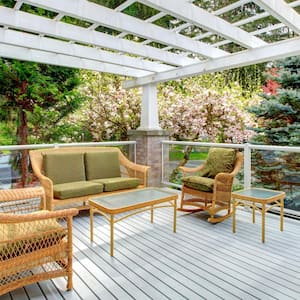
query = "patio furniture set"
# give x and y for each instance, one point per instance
(36, 232)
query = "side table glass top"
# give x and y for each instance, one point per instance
(133, 197)
(258, 193)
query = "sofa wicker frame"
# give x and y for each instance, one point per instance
(212, 202)
(29, 254)
(128, 169)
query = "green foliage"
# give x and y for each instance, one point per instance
(278, 115)
(36, 97)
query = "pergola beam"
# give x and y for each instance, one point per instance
(282, 11)
(32, 23)
(107, 17)
(200, 17)
(32, 41)
(258, 55)
(44, 57)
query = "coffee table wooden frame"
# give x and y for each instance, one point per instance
(109, 214)
(239, 199)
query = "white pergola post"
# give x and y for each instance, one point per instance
(149, 136)
(149, 115)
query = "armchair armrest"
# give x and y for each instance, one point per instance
(185, 170)
(136, 170)
(41, 215)
(223, 187)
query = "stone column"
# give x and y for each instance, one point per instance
(149, 152)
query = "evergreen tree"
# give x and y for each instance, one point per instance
(34, 96)
(278, 115)
(278, 118)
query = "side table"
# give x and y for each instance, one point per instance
(253, 196)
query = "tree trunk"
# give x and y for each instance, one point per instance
(184, 160)
(22, 135)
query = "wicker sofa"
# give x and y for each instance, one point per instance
(70, 176)
(35, 244)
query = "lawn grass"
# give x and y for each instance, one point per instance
(178, 155)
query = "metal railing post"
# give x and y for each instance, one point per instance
(247, 166)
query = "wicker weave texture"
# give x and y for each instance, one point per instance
(34, 245)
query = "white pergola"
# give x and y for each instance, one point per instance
(153, 53)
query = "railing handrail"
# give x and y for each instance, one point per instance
(58, 145)
(239, 146)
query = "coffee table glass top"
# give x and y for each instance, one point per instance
(257, 193)
(127, 199)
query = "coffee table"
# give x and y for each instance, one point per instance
(253, 196)
(130, 202)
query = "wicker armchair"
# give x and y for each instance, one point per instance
(35, 244)
(211, 189)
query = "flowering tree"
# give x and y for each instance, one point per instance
(110, 110)
(189, 110)
(199, 113)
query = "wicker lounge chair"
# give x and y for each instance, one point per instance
(212, 184)
(35, 244)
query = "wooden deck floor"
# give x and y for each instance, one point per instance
(200, 261)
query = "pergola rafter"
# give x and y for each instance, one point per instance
(282, 12)
(111, 40)
(94, 13)
(52, 58)
(200, 17)
(257, 55)
(32, 41)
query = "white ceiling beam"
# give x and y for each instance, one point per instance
(91, 12)
(230, 7)
(256, 32)
(247, 20)
(36, 42)
(258, 55)
(44, 57)
(282, 11)
(32, 23)
(18, 4)
(200, 17)
(125, 5)
(155, 17)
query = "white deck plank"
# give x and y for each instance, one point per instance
(200, 261)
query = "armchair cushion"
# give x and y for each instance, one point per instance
(25, 237)
(76, 189)
(64, 167)
(100, 165)
(118, 183)
(219, 160)
(199, 183)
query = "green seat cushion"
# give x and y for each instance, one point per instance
(118, 183)
(76, 189)
(64, 167)
(100, 165)
(199, 183)
(21, 238)
(219, 160)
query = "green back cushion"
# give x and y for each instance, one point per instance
(100, 165)
(219, 160)
(64, 167)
